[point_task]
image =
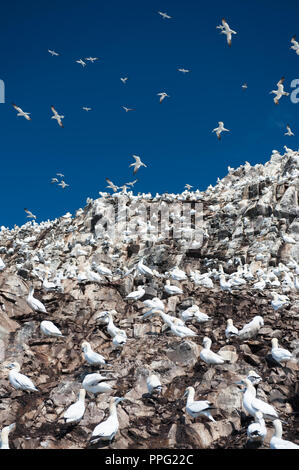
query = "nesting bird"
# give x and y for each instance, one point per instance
(4, 433)
(49, 329)
(257, 431)
(34, 303)
(106, 430)
(279, 354)
(197, 408)
(20, 381)
(92, 357)
(96, 383)
(208, 356)
(277, 442)
(153, 384)
(76, 411)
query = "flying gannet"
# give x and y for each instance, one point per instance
(21, 112)
(289, 131)
(138, 163)
(124, 79)
(63, 184)
(91, 59)
(164, 15)
(52, 52)
(86, 108)
(279, 92)
(111, 185)
(30, 215)
(57, 116)
(127, 109)
(81, 62)
(184, 70)
(163, 95)
(225, 29)
(220, 129)
(295, 45)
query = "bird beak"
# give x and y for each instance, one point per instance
(185, 394)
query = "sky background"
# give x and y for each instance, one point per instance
(173, 138)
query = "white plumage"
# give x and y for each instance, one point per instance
(277, 442)
(34, 303)
(20, 381)
(92, 357)
(49, 329)
(107, 429)
(197, 408)
(95, 383)
(76, 411)
(208, 356)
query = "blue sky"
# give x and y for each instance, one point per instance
(173, 138)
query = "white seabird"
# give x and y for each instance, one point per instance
(76, 411)
(153, 384)
(53, 52)
(29, 214)
(225, 29)
(289, 131)
(81, 62)
(20, 381)
(279, 92)
(21, 112)
(254, 378)
(193, 312)
(163, 95)
(136, 294)
(220, 129)
(164, 15)
(277, 442)
(231, 330)
(252, 404)
(57, 116)
(279, 354)
(197, 408)
(96, 383)
(92, 357)
(107, 429)
(208, 356)
(257, 431)
(172, 290)
(34, 303)
(138, 163)
(251, 329)
(49, 329)
(4, 433)
(295, 45)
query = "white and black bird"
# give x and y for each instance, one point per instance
(63, 184)
(19, 381)
(164, 15)
(220, 129)
(49, 329)
(111, 185)
(295, 45)
(21, 112)
(197, 408)
(277, 442)
(29, 214)
(225, 29)
(279, 92)
(184, 70)
(289, 131)
(257, 431)
(81, 62)
(75, 412)
(93, 358)
(34, 303)
(127, 109)
(86, 108)
(138, 163)
(57, 116)
(163, 95)
(52, 52)
(106, 430)
(91, 59)
(153, 384)
(124, 79)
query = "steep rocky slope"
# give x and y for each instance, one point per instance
(251, 217)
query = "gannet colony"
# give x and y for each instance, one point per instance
(134, 338)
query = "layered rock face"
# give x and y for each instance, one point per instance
(249, 223)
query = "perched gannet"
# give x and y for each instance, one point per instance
(289, 131)
(208, 356)
(164, 15)
(197, 408)
(251, 329)
(231, 330)
(107, 429)
(279, 354)
(138, 163)
(2, 264)
(181, 330)
(163, 95)
(57, 116)
(4, 433)
(143, 269)
(154, 303)
(257, 431)
(254, 378)
(279, 300)
(76, 411)
(225, 29)
(112, 330)
(287, 238)
(34, 303)
(91, 356)
(153, 384)
(124, 79)
(194, 313)
(91, 59)
(119, 340)
(127, 109)
(277, 442)
(97, 383)
(52, 52)
(136, 294)
(177, 274)
(20, 381)
(295, 45)
(279, 92)
(111, 185)
(49, 329)
(252, 404)
(21, 112)
(172, 290)
(81, 62)
(220, 129)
